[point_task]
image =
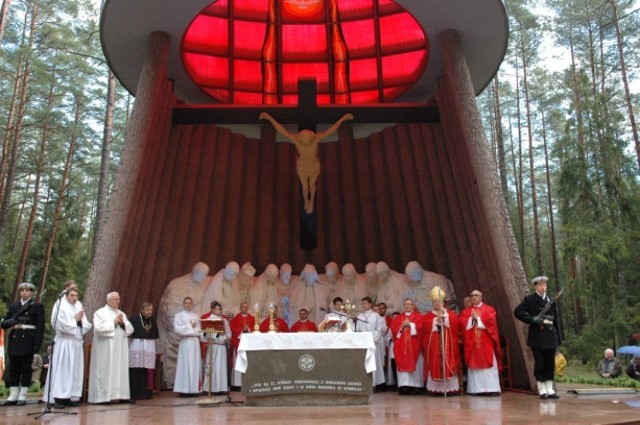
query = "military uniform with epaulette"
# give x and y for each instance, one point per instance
(25, 322)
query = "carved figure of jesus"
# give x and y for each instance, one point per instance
(307, 163)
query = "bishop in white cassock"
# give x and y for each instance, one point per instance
(66, 368)
(370, 321)
(186, 324)
(109, 371)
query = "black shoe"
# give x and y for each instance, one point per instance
(71, 403)
(381, 388)
(553, 396)
(128, 401)
(10, 403)
(544, 396)
(59, 404)
(21, 403)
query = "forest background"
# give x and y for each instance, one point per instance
(559, 115)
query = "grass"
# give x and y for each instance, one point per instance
(577, 373)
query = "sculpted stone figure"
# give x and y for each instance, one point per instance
(268, 290)
(372, 281)
(423, 281)
(287, 280)
(224, 288)
(352, 287)
(191, 285)
(392, 290)
(245, 280)
(330, 280)
(307, 163)
(309, 294)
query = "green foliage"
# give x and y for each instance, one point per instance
(579, 373)
(579, 111)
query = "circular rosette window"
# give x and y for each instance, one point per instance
(255, 51)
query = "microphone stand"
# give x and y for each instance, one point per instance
(47, 407)
(234, 403)
(344, 315)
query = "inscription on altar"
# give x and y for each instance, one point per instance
(295, 371)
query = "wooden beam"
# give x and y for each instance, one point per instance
(364, 114)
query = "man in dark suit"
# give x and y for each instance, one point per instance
(544, 336)
(26, 321)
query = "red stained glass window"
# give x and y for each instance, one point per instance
(254, 51)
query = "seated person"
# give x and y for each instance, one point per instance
(633, 370)
(561, 363)
(280, 325)
(609, 367)
(304, 324)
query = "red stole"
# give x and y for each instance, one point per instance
(433, 347)
(237, 325)
(406, 347)
(480, 344)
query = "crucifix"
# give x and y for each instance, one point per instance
(307, 114)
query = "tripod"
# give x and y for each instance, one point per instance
(47, 407)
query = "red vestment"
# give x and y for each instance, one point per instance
(281, 325)
(238, 325)
(432, 348)
(481, 344)
(306, 326)
(388, 320)
(406, 347)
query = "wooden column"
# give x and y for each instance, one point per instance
(146, 126)
(463, 130)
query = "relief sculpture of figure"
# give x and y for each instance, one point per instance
(308, 293)
(330, 280)
(423, 281)
(372, 281)
(192, 285)
(268, 290)
(245, 280)
(352, 287)
(307, 163)
(224, 288)
(287, 283)
(392, 289)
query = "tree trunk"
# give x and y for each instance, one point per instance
(16, 137)
(61, 193)
(532, 174)
(552, 228)
(4, 14)
(625, 81)
(103, 183)
(519, 187)
(36, 197)
(502, 169)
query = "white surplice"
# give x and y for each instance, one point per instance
(188, 368)
(370, 321)
(66, 368)
(109, 371)
(217, 354)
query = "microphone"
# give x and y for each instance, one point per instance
(62, 294)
